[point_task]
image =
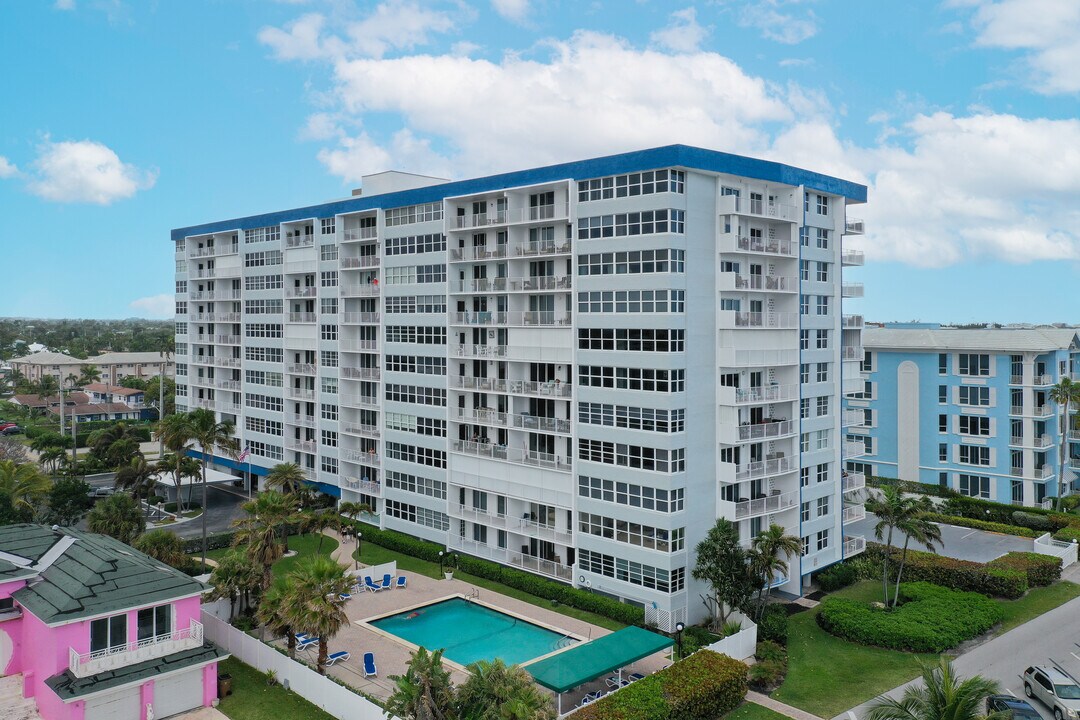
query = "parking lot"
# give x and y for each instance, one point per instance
(957, 542)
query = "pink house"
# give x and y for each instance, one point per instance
(99, 631)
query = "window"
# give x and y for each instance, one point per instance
(154, 622)
(942, 364)
(642, 379)
(263, 282)
(638, 496)
(975, 396)
(822, 472)
(974, 365)
(823, 272)
(646, 222)
(328, 332)
(416, 334)
(418, 455)
(107, 633)
(418, 515)
(942, 423)
(261, 425)
(328, 278)
(414, 244)
(804, 373)
(823, 406)
(263, 377)
(263, 234)
(328, 358)
(943, 452)
(629, 417)
(416, 394)
(634, 262)
(631, 339)
(263, 402)
(633, 456)
(328, 465)
(329, 412)
(632, 572)
(261, 354)
(804, 304)
(804, 408)
(804, 477)
(262, 330)
(804, 512)
(643, 183)
(974, 425)
(328, 385)
(822, 539)
(632, 533)
(804, 339)
(804, 236)
(822, 239)
(804, 270)
(631, 301)
(822, 339)
(262, 259)
(416, 484)
(975, 486)
(327, 227)
(823, 506)
(823, 204)
(328, 252)
(974, 455)
(420, 364)
(943, 394)
(822, 304)
(823, 372)
(426, 212)
(263, 307)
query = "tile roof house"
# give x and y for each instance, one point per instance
(99, 631)
(102, 393)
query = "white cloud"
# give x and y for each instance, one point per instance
(513, 10)
(682, 34)
(64, 4)
(7, 168)
(392, 25)
(796, 62)
(85, 171)
(154, 306)
(776, 20)
(1049, 30)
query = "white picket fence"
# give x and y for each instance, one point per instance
(339, 701)
(1046, 545)
(742, 644)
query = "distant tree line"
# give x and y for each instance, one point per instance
(83, 338)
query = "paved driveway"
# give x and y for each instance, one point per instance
(958, 542)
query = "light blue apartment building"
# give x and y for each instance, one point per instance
(965, 409)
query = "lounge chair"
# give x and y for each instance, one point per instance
(591, 697)
(616, 682)
(369, 665)
(307, 642)
(345, 596)
(370, 585)
(342, 655)
(634, 677)
(401, 582)
(386, 581)
(301, 637)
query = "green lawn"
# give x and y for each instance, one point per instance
(753, 711)
(828, 675)
(376, 554)
(253, 699)
(305, 546)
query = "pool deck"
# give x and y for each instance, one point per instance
(392, 655)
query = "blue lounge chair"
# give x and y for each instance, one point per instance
(401, 582)
(634, 677)
(341, 655)
(301, 637)
(307, 642)
(386, 580)
(616, 682)
(369, 665)
(345, 596)
(370, 585)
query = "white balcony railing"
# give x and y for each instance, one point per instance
(853, 450)
(757, 207)
(300, 292)
(520, 456)
(852, 258)
(766, 430)
(767, 505)
(300, 368)
(487, 416)
(729, 319)
(854, 513)
(853, 418)
(90, 663)
(732, 242)
(364, 261)
(854, 226)
(512, 284)
(359, 345)
(301, 317)
(540, 213)
(764, 283)
(361, 430)
(358, 318)
(527, 318)
(765, 393)
(365, 290)
(364, 457)
(307, 421)
(302, 393)
(852, 481)
(299, 241)
(364, 233)
(853, 545)
(764, 468)
(852, 290)
(852, 322)
(308, 446)
(362, 373)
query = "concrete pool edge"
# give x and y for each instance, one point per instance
(366, 623)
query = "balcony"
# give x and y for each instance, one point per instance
(766, 431)
(350, 373)
(308, 446)
(365, 290)
(299, 241)
(512, 284)
(755, 207)
(854, 513)
(766, 505)
(302, 393)
(853, 418)
(368, 487)
(1040, 442)
(300, 368)
(529, 318)
(852, 258)
(371, 401)
(853, 545)
(852, 481)
(1036, 411)
(307, 421)
(852, 290)
(364, 457)
(465, 382)
(216, 295)
(358, 234)
(487, 416)
(730, 242)
(513, 455)
(359, 263)
(227, 385)
(302, 317)
(479, 252)
(301, 266)
(549, 388)
(852, 322)
(729, 319)
(853, 450)
(758, 395)
(360, 318)
(359, 345)
(84, 665)
(549, 568)
(852, 352)
(509, 216)
(360, 430)
(227, 339)
(854, 226)
(226, 362)
(731, 358)
(759, 469)
(300, 292)
(762, 283)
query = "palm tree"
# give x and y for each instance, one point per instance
(209, 433)
(941, 696)
(137, 477)
(916, 527)
(174, 432)
(235, 577)
(47, 385)
(72, 380)
(88, 375)
(315, 602)
(495, 691)
(24, 483)
(286, 477)
(317, 522)
(424, 692)
(766, 550)
(258, 531)
(117, 516)
(893, 511)
(273, 613)
(1064, 394)
(163, 545)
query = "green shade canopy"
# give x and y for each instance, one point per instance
(579, 664)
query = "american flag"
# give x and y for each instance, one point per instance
(243, 455)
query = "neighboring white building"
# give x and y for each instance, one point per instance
(573, 370)
(113, 366)
(101, 393)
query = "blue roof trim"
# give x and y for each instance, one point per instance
(661, 157)
(230, 463)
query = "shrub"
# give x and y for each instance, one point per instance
(837, 576)
(1040, 570)
(930, 619)
(911, 487)
(1070, 502)
(1033, 521)
(704, 686)
(768, 650)
(1064, 520)
(771, 667)
(695, 637)
(979, 509)
(987, 525)
(773, 624)
(1068, 534)
(956, 574)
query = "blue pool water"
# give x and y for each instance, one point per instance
(467, 632)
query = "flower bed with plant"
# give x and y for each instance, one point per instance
(771, 668)
(930, 618)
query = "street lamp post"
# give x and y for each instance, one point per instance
(441, 571)
(359, 546)
(679, 627)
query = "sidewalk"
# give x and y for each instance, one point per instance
(777, 706)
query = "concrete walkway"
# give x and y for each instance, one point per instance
(777, 706)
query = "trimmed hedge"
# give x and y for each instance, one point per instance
(1068, 534)
(1041, 570)
(837, 576)
(704, 686)
(908, 486)
(956, 574)
(518, 579)
(929, 619)
(1042, 523)
(979, 509)
(1004, 529)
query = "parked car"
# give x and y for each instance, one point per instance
(11, 430)
(4, 425)
(1019, 709)
(100, 492)
(1055, 689)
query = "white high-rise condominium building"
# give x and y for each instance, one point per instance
(573, 370)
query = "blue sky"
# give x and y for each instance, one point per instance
(122, 120)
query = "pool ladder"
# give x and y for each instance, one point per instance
(474, 595)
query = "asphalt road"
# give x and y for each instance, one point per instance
(960, 543)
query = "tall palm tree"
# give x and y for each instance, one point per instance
(174, 433)
(941, 696)
(893, 511)
(24, 483)
(286, 477)
(137, 477)
(1064, 394)
(47, 385)
(163, 545)
(235, 577)
(315, 602)
(274, 615)
(915, 526)
(72, 380)
(209, 433)
(424, 692)
(258, 530)
(766, 551)
(88, 375)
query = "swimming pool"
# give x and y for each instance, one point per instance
(468, 631)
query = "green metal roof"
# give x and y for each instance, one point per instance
(68, 687)
(27, 542)
(579, 664)
(96, 575)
